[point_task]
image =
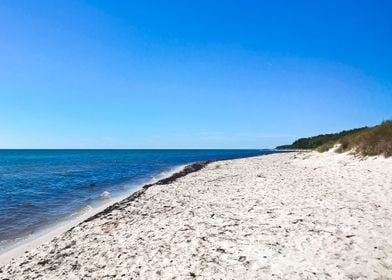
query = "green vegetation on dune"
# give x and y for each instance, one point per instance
(370, 142)
(323, 140)
(367, 141)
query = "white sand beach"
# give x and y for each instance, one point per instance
(300, 215)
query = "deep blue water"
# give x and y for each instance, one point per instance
(42, 187)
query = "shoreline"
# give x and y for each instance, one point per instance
(184, 170)
(49, 233)
(41, 237)
(301, 215)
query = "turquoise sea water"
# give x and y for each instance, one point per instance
(41, 187)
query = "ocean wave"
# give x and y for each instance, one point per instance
(105, 195)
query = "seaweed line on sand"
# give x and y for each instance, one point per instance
(185, 171)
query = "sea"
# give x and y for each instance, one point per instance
(41, 188)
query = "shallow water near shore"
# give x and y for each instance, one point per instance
(39, 188)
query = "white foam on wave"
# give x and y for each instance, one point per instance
(105, 195)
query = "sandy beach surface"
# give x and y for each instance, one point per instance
(284, 216)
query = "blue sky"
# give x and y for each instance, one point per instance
(190, 74)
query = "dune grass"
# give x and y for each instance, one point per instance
(365, 141)
(323, 141)
(369, 142)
